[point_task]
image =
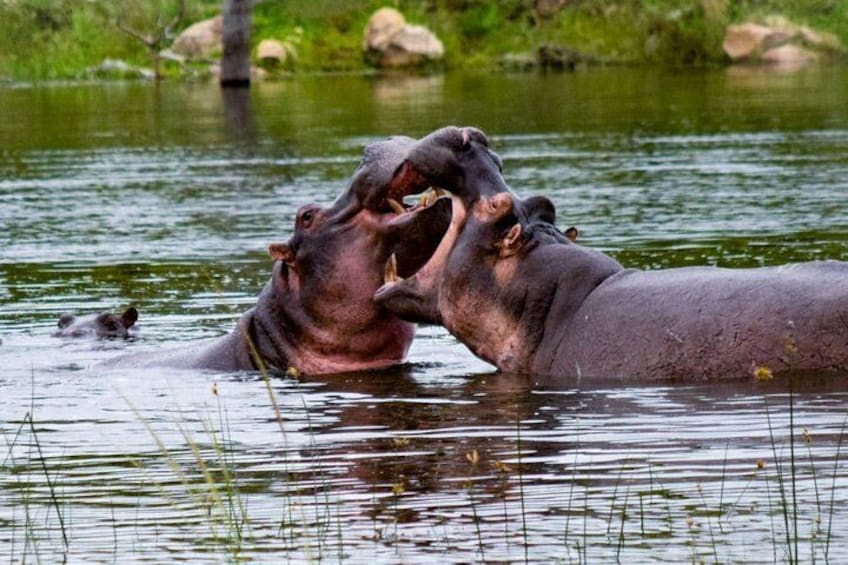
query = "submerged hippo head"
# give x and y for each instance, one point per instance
(318, 314)
(104, 324)
(490, 282)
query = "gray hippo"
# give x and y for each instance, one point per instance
(317, 314)
(104, 324)
(524, 297)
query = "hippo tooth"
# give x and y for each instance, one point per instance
(390, 274)
(396, 206)
(431, 197)
(439, 192)
(428, 197)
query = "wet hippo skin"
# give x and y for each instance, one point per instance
(317, 313)
(526, 298)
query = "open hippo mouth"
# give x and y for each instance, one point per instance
(419, 228)
(416, 229)
(408, 213)
(402, 207)
(451, 159)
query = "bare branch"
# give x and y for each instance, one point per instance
(169, 29)
(149, 41)
(155, 41)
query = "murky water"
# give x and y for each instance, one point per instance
(167, 197)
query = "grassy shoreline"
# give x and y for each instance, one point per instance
(60, 39)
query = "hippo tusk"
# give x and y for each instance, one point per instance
(390, 275)
(396, 206)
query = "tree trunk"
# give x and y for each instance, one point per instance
(235, 59)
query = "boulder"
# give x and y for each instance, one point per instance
(118, 69)
(271, 53)
(778, 41)
(390, 42)
(168, 55)
(384, 24)
(789, 55)
(200, 40)
(820, 40)
(558, 58)
(748, 41)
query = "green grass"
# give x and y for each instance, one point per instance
(51, 39)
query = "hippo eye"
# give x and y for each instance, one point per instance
(306, 218)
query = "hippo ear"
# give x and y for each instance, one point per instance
(129, 317)
(281, 252)
(540, 208)
(572, 233)
(511, 243)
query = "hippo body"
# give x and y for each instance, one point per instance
(526, 298)
(102, 325)
(701, 323)
(317, 314)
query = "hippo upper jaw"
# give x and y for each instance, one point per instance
(458, 160)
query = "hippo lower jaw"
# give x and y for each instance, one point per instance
(414, 296)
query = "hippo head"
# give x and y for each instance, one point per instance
(104, 324)
(322, 317)
(491, 281)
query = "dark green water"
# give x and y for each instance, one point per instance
(166, 198)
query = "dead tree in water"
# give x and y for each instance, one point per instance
(157, 40)
(235, 40)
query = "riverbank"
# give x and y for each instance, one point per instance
(57, 39)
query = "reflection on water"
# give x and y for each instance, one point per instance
(166, 197)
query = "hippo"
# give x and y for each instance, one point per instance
(525, 297)
(104, 324)
(317, 315)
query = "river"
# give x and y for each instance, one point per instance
(167, 196)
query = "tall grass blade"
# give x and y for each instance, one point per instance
(781, 487)
(833, 489)
(51, 489)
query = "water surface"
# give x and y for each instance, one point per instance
(166, 197)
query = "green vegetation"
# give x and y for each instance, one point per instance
(49, 39)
